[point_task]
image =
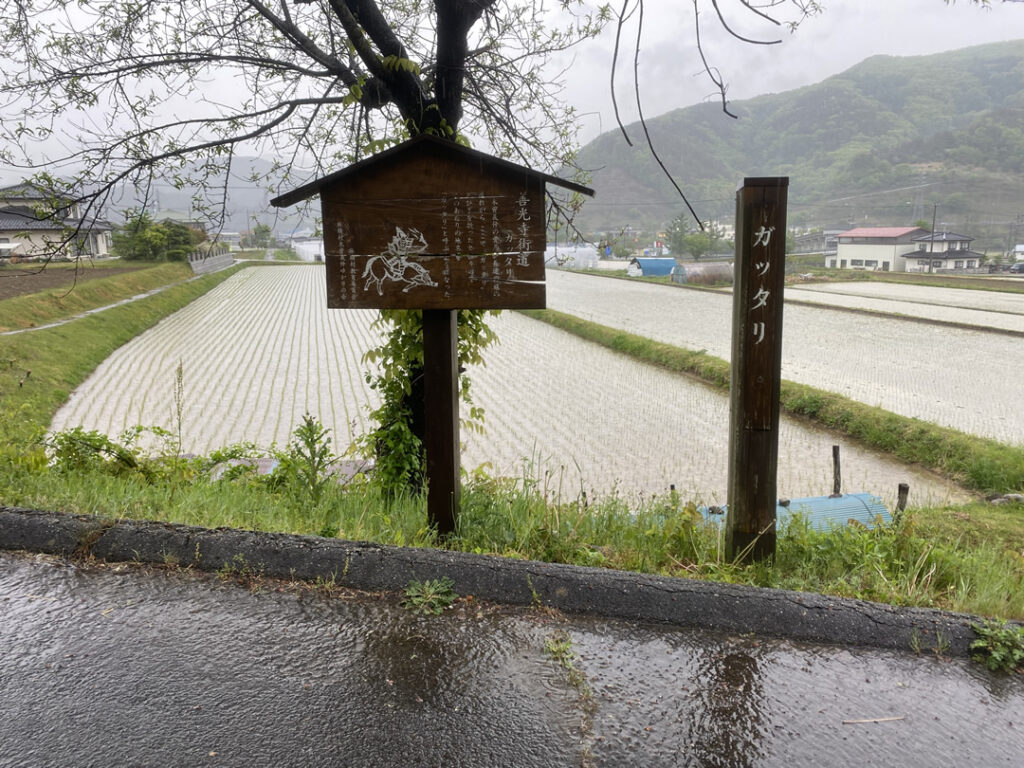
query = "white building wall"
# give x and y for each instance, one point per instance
(39, 242)
(869, 256)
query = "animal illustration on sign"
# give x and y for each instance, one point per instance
(394, 263)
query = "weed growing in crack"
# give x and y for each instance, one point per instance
(999, 646)
(429, 597)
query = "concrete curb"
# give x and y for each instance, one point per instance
(614, 594)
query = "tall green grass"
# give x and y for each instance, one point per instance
(521, 518)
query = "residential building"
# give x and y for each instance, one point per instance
(180, 217)
(942, 251)
(903, 249)
(31, 225)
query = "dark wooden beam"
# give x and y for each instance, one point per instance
(441, 434)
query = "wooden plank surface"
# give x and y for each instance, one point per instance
(441, 433)
(432, 282)
(435, 232)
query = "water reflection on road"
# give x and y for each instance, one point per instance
(698, 699)
(121, 665)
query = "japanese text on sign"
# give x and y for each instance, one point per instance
(762, 237)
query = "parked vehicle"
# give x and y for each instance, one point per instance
(1018, 268)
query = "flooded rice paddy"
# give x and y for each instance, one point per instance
(965, 379)
(261, 350)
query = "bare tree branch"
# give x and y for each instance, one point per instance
(640, 112)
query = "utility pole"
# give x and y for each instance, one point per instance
(931, 244)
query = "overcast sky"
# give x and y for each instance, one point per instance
(846, 32)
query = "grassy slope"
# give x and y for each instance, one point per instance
(55, 304)
(851, 144)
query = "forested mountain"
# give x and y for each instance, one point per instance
(881, 143)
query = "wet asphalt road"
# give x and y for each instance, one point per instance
(130, 666)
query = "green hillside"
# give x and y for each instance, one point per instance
(881, 143)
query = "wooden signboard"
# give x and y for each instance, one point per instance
(435, 226)
(759, 281)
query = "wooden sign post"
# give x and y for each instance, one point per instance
(434, 226)
(441, 392)
(759, 281)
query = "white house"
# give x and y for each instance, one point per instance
(875, 248)
(903, 249)
(31, 225)
(942, 251)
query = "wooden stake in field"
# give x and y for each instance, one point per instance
(758, 284)
(435, 226)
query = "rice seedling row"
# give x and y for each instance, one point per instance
(980, 318)
(964, 379)
(248, 365)
(589, 419)
(990, 301)
(262, 349)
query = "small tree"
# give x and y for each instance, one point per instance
(676, 233)
(139, 239)
(178, 240)
(684, 237)
(621, 250)
(142, 239)
(260, 236)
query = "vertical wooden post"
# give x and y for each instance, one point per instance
(837, 475)
(441, 433)
(903, 492)
(758, 283)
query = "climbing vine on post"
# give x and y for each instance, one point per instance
(396, 442)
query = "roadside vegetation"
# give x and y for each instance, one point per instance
(966, 282)
(83, 287)
(968, 558)
(141, 238)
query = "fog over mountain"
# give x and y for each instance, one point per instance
(884, 142)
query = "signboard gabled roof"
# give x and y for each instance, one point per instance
(455, 149)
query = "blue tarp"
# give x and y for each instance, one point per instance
(823, 512)
(654, 267)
